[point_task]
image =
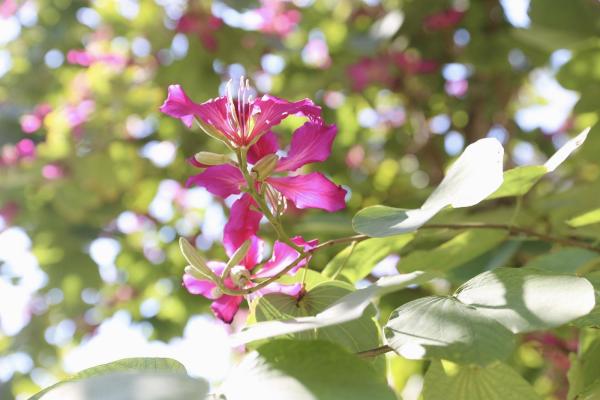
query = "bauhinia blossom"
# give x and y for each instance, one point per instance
(240, 121)
(225, 306)
(310, 143)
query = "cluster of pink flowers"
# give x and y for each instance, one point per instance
(383, 69)
(203, 24)
(245, 124)
(13, 154)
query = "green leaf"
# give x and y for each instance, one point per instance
(130, 386)
(527, 299)
(518, 181)
(348, 308)
(121, 370)
(583, 374)
(304, 370)
(455, 252)
(356, 261)
(357, 335)
(443, 327)
(587, 218)
(445, 381)
(568, 260)
(475, 175)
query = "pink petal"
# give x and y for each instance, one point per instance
(267, 144)
(204, 287)
(221, 180)
(310, 191)
(284, 255)
(291, 290)
(199, 286)
(225, 307)
(179, 105)
(214, 113)
(270, 111)
(242, 225)
(310, 143)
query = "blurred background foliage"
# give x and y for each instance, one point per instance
(92, 176)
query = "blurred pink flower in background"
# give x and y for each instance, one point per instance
(443, 20)
(276, 18)
(457, 88)
(86, 58)
(414, 64)
(53, 171)
(8, 8)
(316, 53)
(203, 24)
(8, 212)
(368, 71)
(32, 122)
(26, 149)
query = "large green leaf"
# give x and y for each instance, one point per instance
(348, 308)
(129, 372)
(497, 381)
(527, 299)
(518, 181)
(357, 335)
(131, 386)
(455, 252)
(475, 175)
(444, 328)
(356, 261)
(304, 370)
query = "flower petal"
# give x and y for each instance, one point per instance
(267, 144)
(291, 290)
(270, 111)
(221, 180)
(284, 255)
(242, 225)
(179, 105)
(204, 287)
(225, 307)
(310, 143)
(310, 191)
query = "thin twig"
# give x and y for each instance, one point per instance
(516, 231)
(377, 351)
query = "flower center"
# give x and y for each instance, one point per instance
(239, 110)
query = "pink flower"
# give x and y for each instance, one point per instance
(8, 212)
(316, 53)
(8, 8)
(310, 143)
(369, 71)
(226, 306)
(443, 19)
(276, 19)
(26, 149)
(241, 121)
(457, 88)
(86, 58)
(204, 25)
(32, 122)
(413, 64)
(53, 172)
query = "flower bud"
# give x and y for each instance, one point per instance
(196, 273)
(240, 276)
(239, 254)
(196, 260)
(208, 158)
(265, 166)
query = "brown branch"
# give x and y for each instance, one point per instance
(516, 231)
